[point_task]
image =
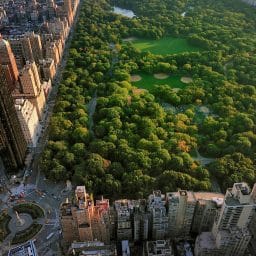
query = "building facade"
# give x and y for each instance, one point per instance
(7, 58)
(13, 145)
(31, 88)
(158, 216)
(29, 121)
(86, 220)
(181, 207)
(230, 234)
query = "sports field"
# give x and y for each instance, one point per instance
(164, 46)
(148, 81)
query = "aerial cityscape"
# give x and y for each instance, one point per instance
(127, 127)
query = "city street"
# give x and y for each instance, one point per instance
(37, 189)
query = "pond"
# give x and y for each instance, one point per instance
(124, 12)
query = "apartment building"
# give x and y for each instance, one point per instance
(181, 207)
(26, 47)
(52, 52)
(7, 59)
(141, 219)
(76, 217)
(230, 234)
(158, 248)
(207, 208)
(158, 215)
(31, 87)
(29, 121)
(13, 144)
(124, 210)
(81, 220)
(47, 69)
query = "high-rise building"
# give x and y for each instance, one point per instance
(252, 228)
(76, 217)
(12, 141)
(207, 208)
(230, 233)
(31, 88)
(47, 68)
(124, 210)
(36, 45)
(27, 47)
(158, 247)
(181, 206)
(51, 8)
(67, 8)
(30, 80)
(52, 52)
(141, 221)
(100, 221)
(7, 58)
(158, 215)
(29, 121)
(59, 27)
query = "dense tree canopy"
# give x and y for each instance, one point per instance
(131, 144)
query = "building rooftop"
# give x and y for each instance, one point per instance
(159, 247)
(93, 248)
(218, 198)
(27, 249)
(206, 240)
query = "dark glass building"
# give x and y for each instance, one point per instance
(12, 141)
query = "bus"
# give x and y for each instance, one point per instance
(49, 236)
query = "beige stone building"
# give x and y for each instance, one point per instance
(52, 52)
(30, 80)
(7, 58)
(82, 221)
(27, 47)
(230, 234)
(59, 28)
(47, 68)
(29, 121)
(31, 88)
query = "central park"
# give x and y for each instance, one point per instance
(164, 98)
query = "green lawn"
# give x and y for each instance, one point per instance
(148, 81)
(164, 46)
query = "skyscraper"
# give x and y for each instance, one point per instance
(12, 141)
(7, 58)
(230, 233)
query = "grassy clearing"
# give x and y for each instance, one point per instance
(4, 230)
(148, 81)
(34, 210)
(164, 46)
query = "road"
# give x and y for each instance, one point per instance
(47, 194)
